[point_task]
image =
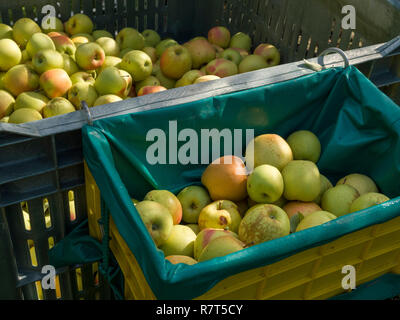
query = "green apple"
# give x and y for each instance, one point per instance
(201, 50)
(242, 41)
(189, 78)
(124, 52)
(109, 45)
(24, 115)
(25, 57)
(270, 53)
(302, 180)
(46, 60)
(82, 91)
(7, 102)
(305, 145)
(338, 199)
(206, 78)
(164, 80)
(265, 184)
(106, 99)
(152, 53)
(362, 183)
(193, 199)
(219, 36)
(368, 200)
(81, 38)
(138, 64)
(221, 247)
(47, 27)
(101, 33)
(221, 214)
(205, 236)
(69, 64)
(163, 45)
(21, 78)
(23, 29)
(263, 222)
(151, 38)
(149, 81)
(32, 99)
(232, 55)
(222, 68)
(55, 82)
(10, 54)
(325, 185)
(175, 62)
(157, 220)
(180, 241)
(82, 76)
(181, 259)
(90, 56)
(252, 63)
(63, 44)
(57, 106)
(39, 42)
(269, 149)
(130, 38)
(315, 219)
(5, 119)
(6, 32)
(109, 61)
(79, 23)
(113, 81)
(168, 200)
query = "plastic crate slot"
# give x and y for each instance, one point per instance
(58, 287)
(95, 270)
(39, 290)
(71, 206)
(79, 282)
(47, 213)
(32, 252)
(25, 215)
(51, 242)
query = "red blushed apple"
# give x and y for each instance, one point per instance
(150, 89)
(55, 82)
(175, 62)
(222, 68)
(219, 36)
(269, 53)
(90, 56)
(63, 43)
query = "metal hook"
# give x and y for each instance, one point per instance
(89, 117)
(340, 52)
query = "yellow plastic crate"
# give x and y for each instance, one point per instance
(313, 274)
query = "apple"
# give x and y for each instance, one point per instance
(243, 53)
(163, 45)
(55, 82)
(205, 236)
(89, 56)
(113, 81)
(368, 200)
(6, 32)
(109, 45)
(221, 247)
(218, 50)
(124, 52)
(362, 183)
(206, 78)
(69, 64)
(168, 200)
(263, 222)
(219, 36)
(39, 42)
(269, 149)
(315, 219)
(175, 62)
(305, 145)
(201, 51)
(10, 54)
(46, 60)
(151, 52)
(149, 81)
(106, 99)
(241, 40)
(47, 27)
(193, 199)
(7, 102)
(138, 64)
(82, 76)
(189, 78)
(63, 44)
(195, 227)
(265, 184)
(302, 180)
(57, 106)
(82, 91)
(149, 90)
(176, 259)
(222, 68)
(21, 78)
(33, 100)
(226, 179)
(221, 214)
(252, 63)
(232, 55)
(338, 199)
(180, 242)
(130, 38)
(24, 115)
(305, 208)
(5, 119)
(270, 53)
(25, 57)
(96, 34)
(164, 80)
(81, 38)
(23, 29)
(109, 61)
(78, 23)
(151, 38)
(325, 185)
(156, 219)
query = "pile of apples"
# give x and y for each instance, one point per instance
(236, 207)
(45, 72)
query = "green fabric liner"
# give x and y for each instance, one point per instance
(357, 124)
